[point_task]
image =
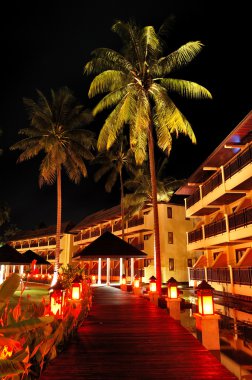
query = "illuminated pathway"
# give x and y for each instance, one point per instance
(128, 337)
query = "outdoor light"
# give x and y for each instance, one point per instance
(123, 279)
(172, 287)
(57, 299)
(205, 298)
(76, 288)
(136, 282)
(153, 284)
(93, 279)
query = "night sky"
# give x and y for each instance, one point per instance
(45, 45)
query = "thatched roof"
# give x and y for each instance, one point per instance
(109, 246)
(10, 256)
(30, 256)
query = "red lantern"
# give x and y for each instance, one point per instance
(205, 298)
(136, 282)
(76, 288)
(172, 287)
(123, 280)
(57, 299)
(153, 284)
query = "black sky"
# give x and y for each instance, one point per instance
(45, 45)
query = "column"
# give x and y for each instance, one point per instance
(121, 268)
(99, 271)
(108, 271)
(132, 273)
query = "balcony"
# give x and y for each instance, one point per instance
(241, 276)
(236, 226)
(228, 184)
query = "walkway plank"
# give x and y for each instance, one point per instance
(128, 337)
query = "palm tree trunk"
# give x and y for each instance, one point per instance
(122, 204)
(58, 227)
(157, 255)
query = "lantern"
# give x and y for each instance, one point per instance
(205, 298)
(57, 299)
(93, 279)
(123, 280)
(76, 288)
(153, 284)
(136, 282)
(172, 287)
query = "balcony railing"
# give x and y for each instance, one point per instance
(211, 184)
(95, 233)
(241, 276)
(135, 222)
(240, 161)
(107, 228)
(240, 219)
(235, 220)
(215, 228)
(195, 235)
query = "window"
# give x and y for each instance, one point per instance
(171, 264)
(170, 237)
(146, 237)
(189, 263)
(169, 212)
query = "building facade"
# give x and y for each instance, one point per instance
(139, 232)
(220, 199)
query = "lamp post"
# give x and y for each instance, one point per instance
(207, 326)
(123, 285)
(136, 286)
(57, 299)
(173, 301)
(76, 288)
(153, 294)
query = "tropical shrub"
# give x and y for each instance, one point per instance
(30, 336)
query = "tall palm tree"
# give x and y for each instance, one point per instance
(137, 84)
(112, 162)
(55, 129)
(140, 188)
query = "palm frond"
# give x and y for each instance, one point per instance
(110, 100)
(177, 59)
(150, 43)
(110, 58)
(185, 88)
(107, 81)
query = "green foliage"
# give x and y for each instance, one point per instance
(29, 337)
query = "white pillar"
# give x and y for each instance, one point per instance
(13, 268)
(121, 269)
(7, 271)
(1, 274)
(99, 271)
(132, 272)
(21, 270)
(108, 270)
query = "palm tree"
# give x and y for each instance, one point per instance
(141, 192)
(137, 84)
(112, 163)
(55, 129)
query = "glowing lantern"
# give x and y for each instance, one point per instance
(93, 279)
(123, 280)
(136, 282)
(57, 299)
(172, 287)
(153, 284)
(76, 288)
(205, 298)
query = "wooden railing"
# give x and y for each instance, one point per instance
(215, 228)
(211, 184)
(240, 219)
(135, 222)
(195, 235)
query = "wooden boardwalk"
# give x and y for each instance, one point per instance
(128, 337)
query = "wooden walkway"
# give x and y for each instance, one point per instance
(128, 337)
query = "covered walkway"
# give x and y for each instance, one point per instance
(128, 337)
